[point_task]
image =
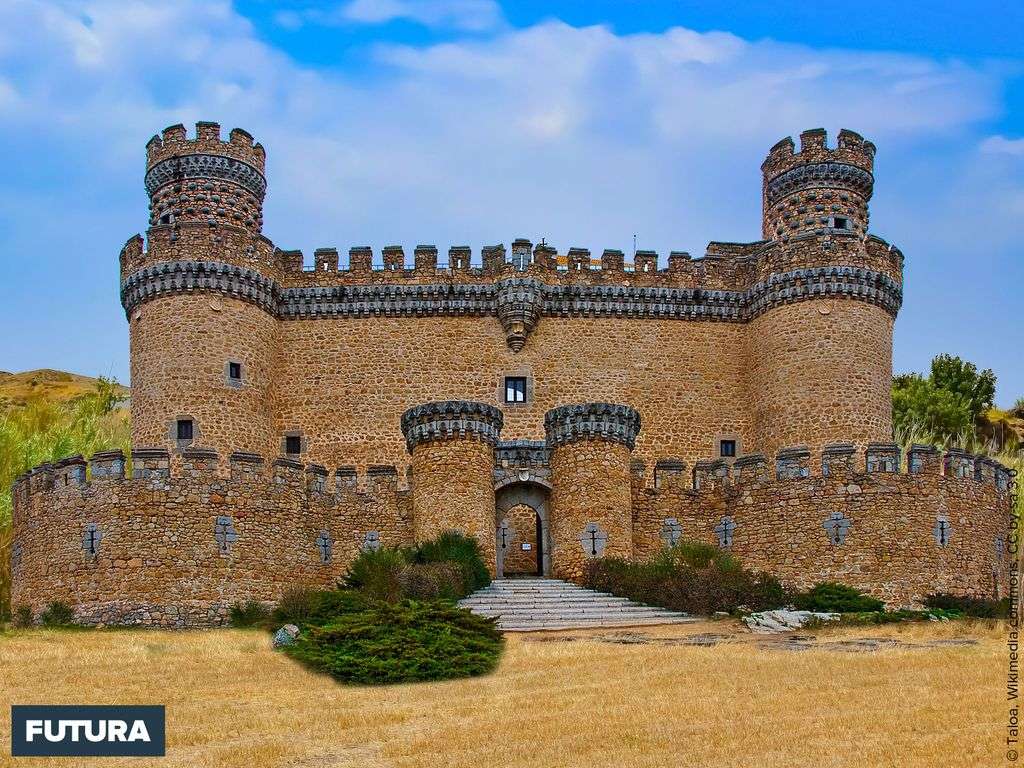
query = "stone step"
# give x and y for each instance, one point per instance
(515, 600)
(550, 626)
(577, 611)
(525, 605)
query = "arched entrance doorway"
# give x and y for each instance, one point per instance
(522, 534)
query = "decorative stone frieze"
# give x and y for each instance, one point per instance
(206, 167)
(818, 175)
(518, 302)
(523, 461)
(446, 419)
(176, 277)
(592, 421)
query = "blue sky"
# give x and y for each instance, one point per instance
(472, 121)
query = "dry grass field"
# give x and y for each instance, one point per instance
(926, 695)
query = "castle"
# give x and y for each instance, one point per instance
(556, 407)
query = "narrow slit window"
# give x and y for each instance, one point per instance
(515, 389)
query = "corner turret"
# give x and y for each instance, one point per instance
(205, 179)
(817, 188)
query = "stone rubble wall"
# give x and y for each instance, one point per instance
(778, 515)
(177, 545)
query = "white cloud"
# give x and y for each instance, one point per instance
(579, 135)
(1000, 145)
(460, 15)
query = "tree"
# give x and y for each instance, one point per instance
(961, 378)
(918, 402)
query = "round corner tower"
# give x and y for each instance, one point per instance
(821, 348)
(451, 443)
(199, 296)
(591, 501)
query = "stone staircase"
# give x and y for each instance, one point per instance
(526, 605)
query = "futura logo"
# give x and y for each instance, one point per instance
(87, 731)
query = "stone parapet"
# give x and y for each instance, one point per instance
(451, 419)
(180, 551)
(897, 533)
(519, 303)
(592, 421)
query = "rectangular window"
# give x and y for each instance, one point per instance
(235, 371)
(184, 429)
(293, 445)
(840, 223)
(727, 448)
(515, 389)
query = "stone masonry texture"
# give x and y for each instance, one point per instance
(383, 377)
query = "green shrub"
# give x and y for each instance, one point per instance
(691, 577)
(978, 608)
(401, 643)
(23, 616)
(432, 581)
(454, 547)
(295, 606)
(316, 607)
(376, 573)
(449, 567)
(830, 597)
(249, 614)
(57, 614)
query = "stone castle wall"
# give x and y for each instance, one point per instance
(896, 533)
(177, 546)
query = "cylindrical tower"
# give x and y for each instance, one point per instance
(819, 188)
(591, 502)
(820, 345)
(200, 299)
(452, 447)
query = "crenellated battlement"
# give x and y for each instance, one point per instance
(718, 287)
(897, 527)
(205, 179)
(174, 142)
(820, 188)
(179, 539)
(204, 470)
(851, 148)
(837, 462)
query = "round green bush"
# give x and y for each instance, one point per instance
(830, 597)
(401, 643)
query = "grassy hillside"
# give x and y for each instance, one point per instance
(19, 389)
(46, 416)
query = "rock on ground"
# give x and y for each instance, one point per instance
(285, 636)
(768, 622)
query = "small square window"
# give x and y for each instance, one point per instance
(184, 429)
(727, 448)
(235, 371)
(293, 445)
(515, 389)
(840, 223)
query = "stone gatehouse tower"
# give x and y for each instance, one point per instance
(558, 407)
